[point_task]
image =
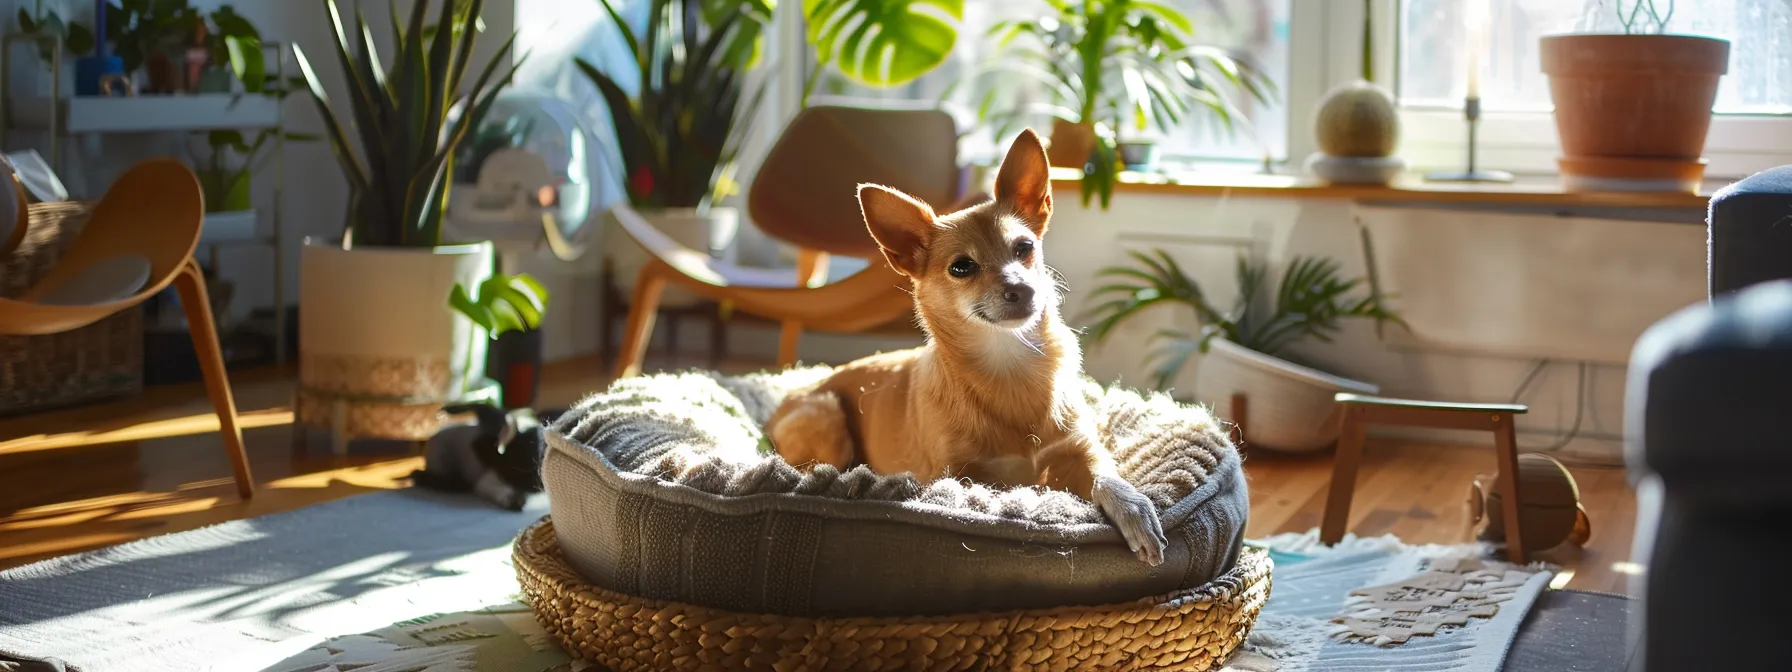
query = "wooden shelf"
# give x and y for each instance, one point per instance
(1527, 191)
(148, 113)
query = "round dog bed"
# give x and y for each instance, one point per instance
(663, 487)
(1192, 629)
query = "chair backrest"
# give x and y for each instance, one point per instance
(807, 190)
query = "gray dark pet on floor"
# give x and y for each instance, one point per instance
(496, 456)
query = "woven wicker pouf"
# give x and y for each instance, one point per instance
(1193, 629)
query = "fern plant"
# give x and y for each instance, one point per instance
(1311, 301)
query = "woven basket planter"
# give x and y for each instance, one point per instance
(98, 361)
(1193, 629)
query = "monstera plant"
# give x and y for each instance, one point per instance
(880, 43)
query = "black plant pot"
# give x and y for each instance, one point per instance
(514, 360)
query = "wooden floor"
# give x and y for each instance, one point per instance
(104, 474)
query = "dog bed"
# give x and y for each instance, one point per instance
(664, 487)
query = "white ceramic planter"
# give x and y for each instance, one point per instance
(1289, 407)
(379, 349)
(712, 230)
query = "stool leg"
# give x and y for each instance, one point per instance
(1344, 467)
(1505, 446)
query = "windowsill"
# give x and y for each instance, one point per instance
(1527, 190)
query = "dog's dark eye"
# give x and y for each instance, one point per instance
(1023, 248)
(963, 268)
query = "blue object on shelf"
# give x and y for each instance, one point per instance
(91, 70)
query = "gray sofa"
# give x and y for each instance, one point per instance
(1709, 416)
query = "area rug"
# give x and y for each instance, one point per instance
(413, 581)
(1379, 604)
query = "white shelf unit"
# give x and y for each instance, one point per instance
(148, 114)
(73, 116)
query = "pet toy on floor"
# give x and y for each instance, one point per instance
(496, 456)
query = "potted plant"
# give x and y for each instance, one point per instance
(1290, 405)
(378, 348)
(232, 50)
(1107, 66)
(1357, 126)
(47, 25)
(1632, 108)
(509, 309)
(679, 132)
(226, 185)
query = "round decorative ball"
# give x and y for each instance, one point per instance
(1549, 510)
(1358, 119)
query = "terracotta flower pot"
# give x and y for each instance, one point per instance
(1071, 144)
(1633, 96)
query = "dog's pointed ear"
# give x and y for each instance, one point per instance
(1024, 182)
(901, 225)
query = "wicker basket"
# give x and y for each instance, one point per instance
(100, 360)
(1186, 630)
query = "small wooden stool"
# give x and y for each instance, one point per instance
(1361, 411)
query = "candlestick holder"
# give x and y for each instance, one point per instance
(1471, 111)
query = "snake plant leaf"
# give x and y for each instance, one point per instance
(357, 176)
(883, 43)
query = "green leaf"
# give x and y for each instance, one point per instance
(463, 304)
(883, 43)
(80, 40)
(26, 23)
(247, 61)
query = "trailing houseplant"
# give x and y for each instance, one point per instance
(1244, 341)
(46, 24)
(1632, 102)
(1108, 67)
(376, 330)
(230, 163)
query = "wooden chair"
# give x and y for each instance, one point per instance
(806, 193)
(154, 212)
(1361, 411)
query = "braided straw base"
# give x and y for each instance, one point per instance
(1192, 629)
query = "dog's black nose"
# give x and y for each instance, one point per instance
(1017, 293)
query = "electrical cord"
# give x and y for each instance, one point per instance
(1582, 387)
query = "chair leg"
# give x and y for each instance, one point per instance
(642, 310)
(1344, 468)
(788, 335)
(1505, 447)
(190, 282)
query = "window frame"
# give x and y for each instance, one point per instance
(1737, 145)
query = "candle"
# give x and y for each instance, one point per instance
(1475, 23)
(99, 28)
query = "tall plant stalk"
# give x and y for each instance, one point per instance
(397, 146)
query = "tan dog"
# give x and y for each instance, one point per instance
(993, 395)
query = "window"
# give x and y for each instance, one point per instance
(1254, 30)
(1433, 63)
(1747, 135)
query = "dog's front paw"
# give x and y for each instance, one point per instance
(1136, 517)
